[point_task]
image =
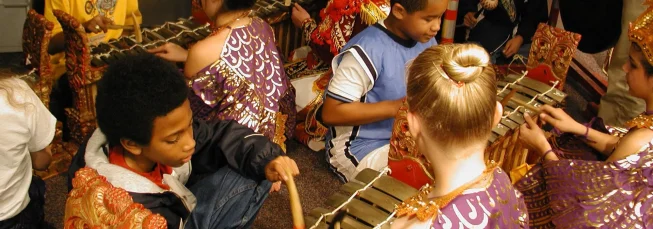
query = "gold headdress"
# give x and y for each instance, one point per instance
(641, 31)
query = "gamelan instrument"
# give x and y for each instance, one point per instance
(182, 32)
(86, 62)
(519, 95)
(368, 201)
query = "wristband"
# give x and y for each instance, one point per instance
(545, 153)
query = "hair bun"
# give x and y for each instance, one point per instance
(465, 62)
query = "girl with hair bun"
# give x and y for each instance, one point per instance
(452, 107)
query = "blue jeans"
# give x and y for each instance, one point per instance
(32, 217)
(226, 199)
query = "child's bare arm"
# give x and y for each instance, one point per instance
(338, 113)
(41, 159)
(602, 142)
(632, 143)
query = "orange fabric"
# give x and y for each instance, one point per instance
(117, 157)
(409, 171)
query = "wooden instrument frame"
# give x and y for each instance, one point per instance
(84, 74)
(37, 32)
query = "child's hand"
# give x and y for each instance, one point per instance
(513, 45)
(276, 186)
(277, 169)
(470, 20)
(97, 24)
(299, 15)
(561, 120)
(532, 136)
(171, 52)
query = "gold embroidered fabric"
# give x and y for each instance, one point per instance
(425, 208)
(95, 203)
(490, 201)
(641, 121)
(572, 193)
(641, 29)
(247, 84)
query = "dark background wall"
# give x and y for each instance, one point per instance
(156, 12)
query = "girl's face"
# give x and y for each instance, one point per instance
(639, 83)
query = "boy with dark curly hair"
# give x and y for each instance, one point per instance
(149, 144)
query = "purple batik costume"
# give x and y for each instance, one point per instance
(247, 84)
(495, 204)
(488, 202)
(578, 192)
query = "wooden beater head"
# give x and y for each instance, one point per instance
(137, 29)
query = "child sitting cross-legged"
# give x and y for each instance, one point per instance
(149, 144)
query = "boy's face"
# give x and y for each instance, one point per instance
(424, 24)
(172, 140)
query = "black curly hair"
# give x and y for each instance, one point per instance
(133, 92)
(411, 5)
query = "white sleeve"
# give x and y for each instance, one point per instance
(40, 121)
(351, 80)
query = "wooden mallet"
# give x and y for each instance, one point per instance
(137, 29)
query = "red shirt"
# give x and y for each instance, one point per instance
(117, 157)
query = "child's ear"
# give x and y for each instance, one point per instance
(414, 126)
(398, 11)
(131, 146)
(498, 113)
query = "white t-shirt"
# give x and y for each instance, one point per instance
(27, 127)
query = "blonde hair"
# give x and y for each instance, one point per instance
(8, 88)
(452, 88)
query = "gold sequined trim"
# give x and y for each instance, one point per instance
(641, 121)
(280, 130)
(640, 31)
(426, 208)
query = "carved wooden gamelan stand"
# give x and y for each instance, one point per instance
(36, 38)
(95, 203)
(86, 63)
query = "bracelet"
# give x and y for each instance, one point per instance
(307, 20)
(586, 135)
(545, 153)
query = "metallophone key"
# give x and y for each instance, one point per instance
(526, 89)
(371, 207)
(181, 33)
(538, 86)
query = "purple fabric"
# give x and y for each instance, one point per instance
(497, 206)
(575, 192)
(247, 84)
